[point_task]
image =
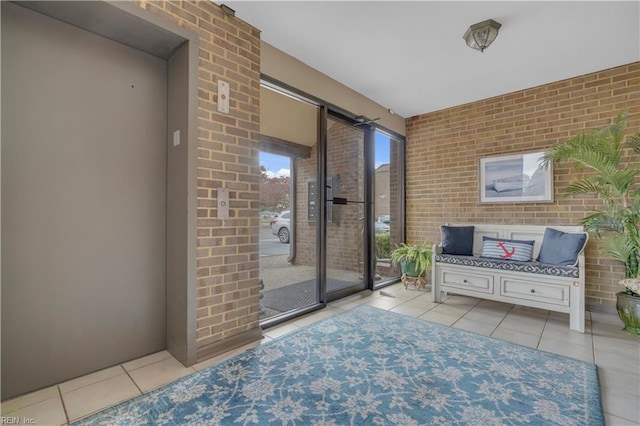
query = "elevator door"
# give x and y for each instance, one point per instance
(83, 201)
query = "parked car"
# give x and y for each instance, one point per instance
(268, 214)
(280, 226)
(384, 218)
(382, 227)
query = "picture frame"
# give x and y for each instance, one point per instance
(515, 178)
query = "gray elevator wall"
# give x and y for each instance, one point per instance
(83, 201)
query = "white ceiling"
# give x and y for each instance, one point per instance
(410, 56)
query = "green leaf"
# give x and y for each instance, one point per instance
(634, 142)
(422, 255)
(599, 153)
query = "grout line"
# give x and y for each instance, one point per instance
(104, 408)
(456, 321)
(131, 378)
(494, 327)
(593, 345)
(465, 313)
(92, 383)
(146, 365)
(64, 406)
(502, 320)
(22, 407)
(546, 320)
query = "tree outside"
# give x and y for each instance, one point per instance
(274, 191)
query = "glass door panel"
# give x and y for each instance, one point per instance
(288, 272)
(387, 205)
(345, 248)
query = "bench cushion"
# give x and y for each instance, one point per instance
(510, 265)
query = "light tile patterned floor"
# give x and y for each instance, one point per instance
(616, 353)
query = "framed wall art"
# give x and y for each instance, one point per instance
(515, 178)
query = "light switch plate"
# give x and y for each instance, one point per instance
(223, 203)
(176, 138)
(223, 96)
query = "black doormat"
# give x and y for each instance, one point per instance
(299, 295)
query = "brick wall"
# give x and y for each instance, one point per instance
(305, 230)
(227, 251)
(443, 149)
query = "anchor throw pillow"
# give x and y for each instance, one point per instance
(496, 248)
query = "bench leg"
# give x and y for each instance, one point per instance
(577, 313)
(436, 296)
(576, 322)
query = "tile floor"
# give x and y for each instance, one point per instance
(616, 353)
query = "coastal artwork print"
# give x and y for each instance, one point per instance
(515, 178)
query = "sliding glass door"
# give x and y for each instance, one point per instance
(288, 207)
(331, 204)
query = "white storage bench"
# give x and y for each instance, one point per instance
(540, 285)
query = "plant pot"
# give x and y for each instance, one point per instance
(410, 275)
(410, 268)
(629, 312)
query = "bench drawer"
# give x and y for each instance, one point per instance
(475, 282)
(557, 294)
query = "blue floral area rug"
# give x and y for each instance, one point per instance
(370, 366)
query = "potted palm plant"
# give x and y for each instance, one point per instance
(414, 261)
(615, 179)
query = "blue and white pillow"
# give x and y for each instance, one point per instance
(498, 248)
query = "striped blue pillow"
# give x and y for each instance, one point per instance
(496, 248)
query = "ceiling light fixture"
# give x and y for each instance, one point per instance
(479, 36)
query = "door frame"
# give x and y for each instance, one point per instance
(368, 133)
(162, 38)
(326, 110)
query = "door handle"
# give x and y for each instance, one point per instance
(343, 201)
